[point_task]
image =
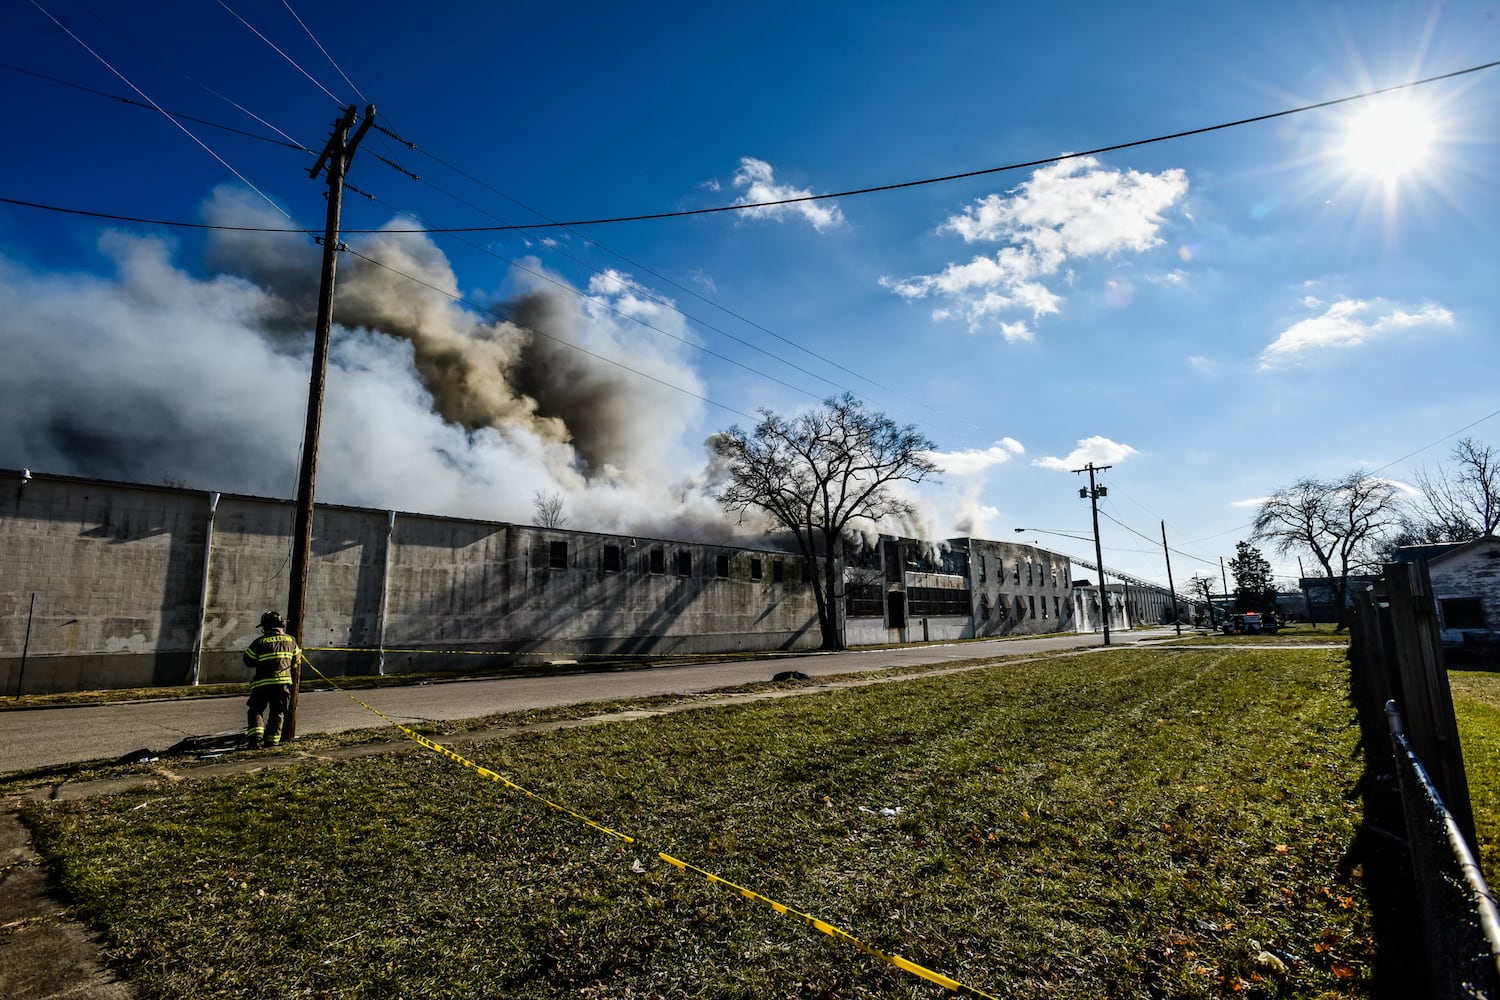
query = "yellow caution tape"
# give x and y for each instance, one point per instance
(895, 961)
(527, 652)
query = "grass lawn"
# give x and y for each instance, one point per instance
(1476, 703)
(1131, 823)
(1301, 634)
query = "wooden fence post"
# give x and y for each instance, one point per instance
(1425, 699)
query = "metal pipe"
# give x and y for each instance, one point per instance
(385, 590)
(208, 548)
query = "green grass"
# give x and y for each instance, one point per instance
(1126, 824)
(1476, 703)
(1288, 635)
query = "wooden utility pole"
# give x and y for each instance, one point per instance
(1171, 589)
(1092, 494)
(335, 156)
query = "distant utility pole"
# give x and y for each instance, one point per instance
(335, 156)
(1092, 494)
(1171, 589)
(1224, 577)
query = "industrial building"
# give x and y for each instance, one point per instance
(114, 585)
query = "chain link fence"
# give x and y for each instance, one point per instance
(1460, 923)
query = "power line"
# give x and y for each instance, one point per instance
(185, 130)
(745, 206)
(288, 142)
(987, 170)
(321, 49)
(295, 65)
(639, 266)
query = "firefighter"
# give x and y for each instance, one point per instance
(273, 656)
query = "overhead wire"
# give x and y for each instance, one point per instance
(185, 130)
(664, 303)
(964, 175)
(277, 49)
(296, 17)
(639, 266)
(746, 206)
(288, 141)
(563, 285)
(119, 32)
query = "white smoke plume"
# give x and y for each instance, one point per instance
(157, 374)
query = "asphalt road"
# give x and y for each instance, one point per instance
(36, 738)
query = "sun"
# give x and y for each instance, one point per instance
(1388, 139)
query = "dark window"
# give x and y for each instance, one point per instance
(778, 571)
(864, 600)
(1463, 612)
(657, 561)
(612, 562)
(1017, 571)
(1002, 606)
(1056, 607)
(984, 605)
(981, 573)
(684, 563)
(557, 555)
(721, 567)
(895, 603)
(755, 572)
(932, 602)
(1032, 601)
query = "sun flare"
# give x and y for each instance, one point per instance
(1389, 139)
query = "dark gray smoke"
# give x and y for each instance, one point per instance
(154, 374)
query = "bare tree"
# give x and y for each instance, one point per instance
(817, 474)
(1342, 523)
(549, 510)
(1461, 503)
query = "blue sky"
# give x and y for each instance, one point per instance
(1213, 316)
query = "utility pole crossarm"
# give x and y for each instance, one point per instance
(1092, 494)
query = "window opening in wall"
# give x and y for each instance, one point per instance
(755, 568)
(1462, 612)
(1057, 607)
(1028, 573)
(1017, 571)
(1054, 576)
(981, 572)
(557, 555)
(684, 563)
(778, 571)
(721, 567)
(934, 602)
(984, 606)
(1003, 606)
(657, 561)
(1032, 601)
(864, 600)
(1044, 606)
(612, 562)
(1020, 607)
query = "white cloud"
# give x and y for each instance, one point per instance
(758, 181)
(1202, 365)
(1066, 211)
(1251, 502)
(1097, 450)
(973, 461)
(1346, 324)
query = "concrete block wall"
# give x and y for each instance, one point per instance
(122, 573)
